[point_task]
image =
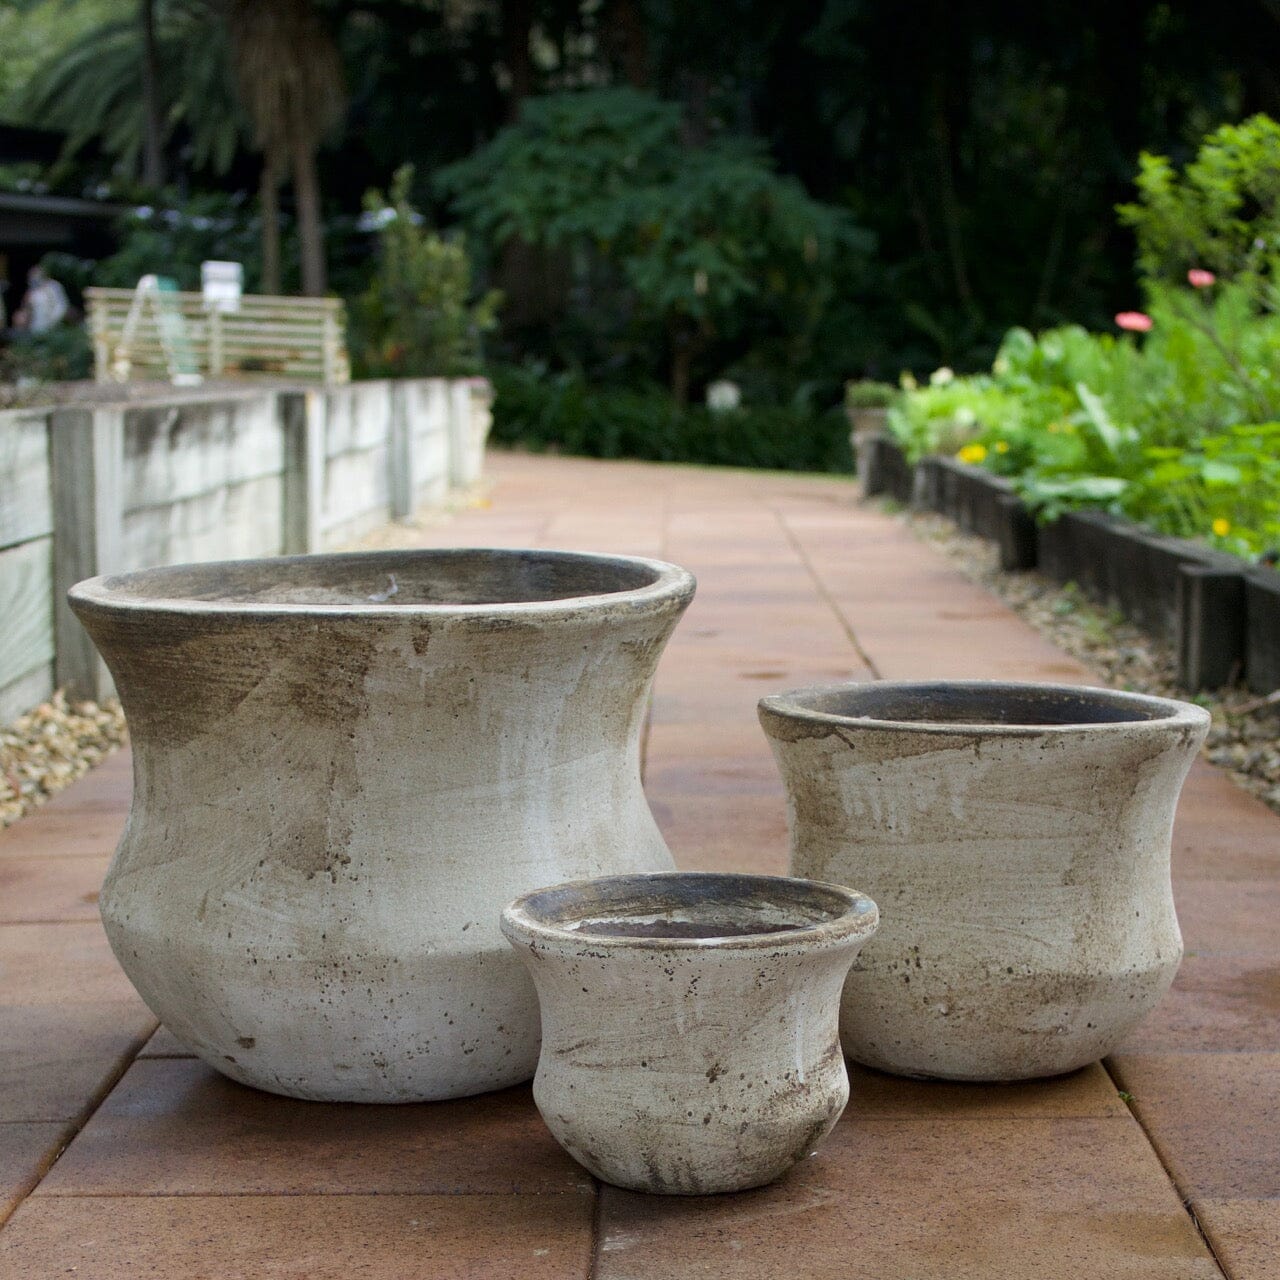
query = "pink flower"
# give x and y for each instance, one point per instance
(1199, 278)
(1134, 321)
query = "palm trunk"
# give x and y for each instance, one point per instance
(306, 192)
(269, 211)
(681, 368)
(153, 150)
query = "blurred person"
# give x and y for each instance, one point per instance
(45, 304)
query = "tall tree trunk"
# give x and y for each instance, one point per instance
(626, 40)
(517, 27)
(269, 211)
(152, 150)
(306, 193)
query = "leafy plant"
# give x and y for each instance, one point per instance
(1222, 212)
(61, 354)
(870, 395)
(417, 317)
(174, 241)
(706, 241)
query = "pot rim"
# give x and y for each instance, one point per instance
(1152, 714)
(671, 585)
(855, 919)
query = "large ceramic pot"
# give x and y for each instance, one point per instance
(344, 766)
(1016, 838)
(690, 1022)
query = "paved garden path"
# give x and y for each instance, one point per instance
(168, 1170)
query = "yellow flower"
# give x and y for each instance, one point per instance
(972, 453)
(1002, 446)
(1221, 527)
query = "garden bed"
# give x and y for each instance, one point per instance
(1220, 614)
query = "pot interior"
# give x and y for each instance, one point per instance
(392, 579)
(1027, 705)
(688, 905)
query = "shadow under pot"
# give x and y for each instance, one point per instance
(690, 1022)
(344, 767)
(1016, 837)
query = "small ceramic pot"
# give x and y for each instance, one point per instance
(690, 1022)
(1017, 839)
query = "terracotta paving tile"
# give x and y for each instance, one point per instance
(301, 1238)
(1089, 1092)
(106, 788)
(724, 833)
(713, 777)
(58, 833)
(927, 1199)
(26, 1151)
(164, 1044)
(37, 889)
(1222, 832)
(1218, 1004)
(52, 963)
(173, 1126)
(1214, 1118)
(1244, 1234)
(56, 1060)
(1229, 917)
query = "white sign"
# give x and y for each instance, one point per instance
(222, 284)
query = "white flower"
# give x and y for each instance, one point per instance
(723, 396)
(940, 377)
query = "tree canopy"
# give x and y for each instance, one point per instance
(984, 146)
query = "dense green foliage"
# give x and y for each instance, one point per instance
(1178, 429)
(563, 412)
(92, 89)
(1165, 432)
(702, 250)
(62, 354)
(985, 145)
(1222, 212)
(416, 317)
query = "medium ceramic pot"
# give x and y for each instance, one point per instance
(690, 1022)
(1016, 838)
(344, 766)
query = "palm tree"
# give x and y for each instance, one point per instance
(132, 82)
(289, 73)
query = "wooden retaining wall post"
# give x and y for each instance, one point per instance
(302, 420)
(86, 453)
(1210, 630)
(400, 449)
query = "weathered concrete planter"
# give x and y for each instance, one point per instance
(343, 767)
(690, 1022)
(1016, 838)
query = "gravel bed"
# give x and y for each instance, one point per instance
(1245, 737)
(49, 748)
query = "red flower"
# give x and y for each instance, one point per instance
(1134, 321)
(1199, 278)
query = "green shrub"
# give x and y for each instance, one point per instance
(705, 250)
(870, 395)
(62, 354)
(416, 318)
(1222, 212)
(541, 411)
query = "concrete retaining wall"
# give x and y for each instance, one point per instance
(106, 488)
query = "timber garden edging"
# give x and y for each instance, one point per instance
(1221, 614)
